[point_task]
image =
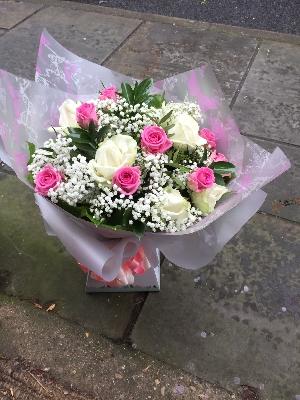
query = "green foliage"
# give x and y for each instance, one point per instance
(138, 228)
(222, 167)
(178, 183)
(157, 100)
(219, 179)
(165, 118)
(30, 178)
(140, 93)
(85, 140)
(31, 148)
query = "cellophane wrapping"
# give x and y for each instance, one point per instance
(28, 108)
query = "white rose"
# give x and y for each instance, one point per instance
(206, 200)
(67, 111)
(186, 132)
(112, 154)
(67, 117)
(174, 205)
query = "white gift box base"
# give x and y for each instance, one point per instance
(148, 282)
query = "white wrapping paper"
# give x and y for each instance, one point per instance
(28, 108)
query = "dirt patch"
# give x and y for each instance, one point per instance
(20, 381)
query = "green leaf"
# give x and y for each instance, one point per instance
(138, 228)
(165, 118)
(30, 178)
(219, 180)
(157, 100)
(78, 131)
(74, 210)
(223, 167)
(141, 91)
(31, 148)
(85, 213)
(47, 149)
(168, 127)
(204, 156)
(126, 217)
(102, 133)
(175, 155)
(182, 168)
(83, 141)
(86, 150)
(178, 182)
(92, 130)
(127, 92)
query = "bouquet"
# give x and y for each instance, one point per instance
(135, 168)
(130, 160)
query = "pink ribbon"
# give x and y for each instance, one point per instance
(136, 265)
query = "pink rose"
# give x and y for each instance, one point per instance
(128, 179)
(155, 140)
(201, 178)
(109, 93)
(85, 114)
(209, 136)
(218, 157)
(47, 178)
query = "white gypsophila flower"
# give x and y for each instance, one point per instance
(77, 185)
(125, 118)
(55, 152)
(191, 109)
(107, 201)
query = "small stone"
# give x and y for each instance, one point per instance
(283, 309)
(163, 391)
(66, 392)
(118, 376)
(246, 289)
(197, 279)
(193, 389)
(179, 389)
(236, 380)
(203, 334)
(157, 381)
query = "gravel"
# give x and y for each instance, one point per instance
(274, 15)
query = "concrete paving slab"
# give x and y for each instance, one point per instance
(283, 198)
(270, 96)
(81, 360)
(90, 35)
(13, 12)
(161, 50)
(236, 321)
(36, 267)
